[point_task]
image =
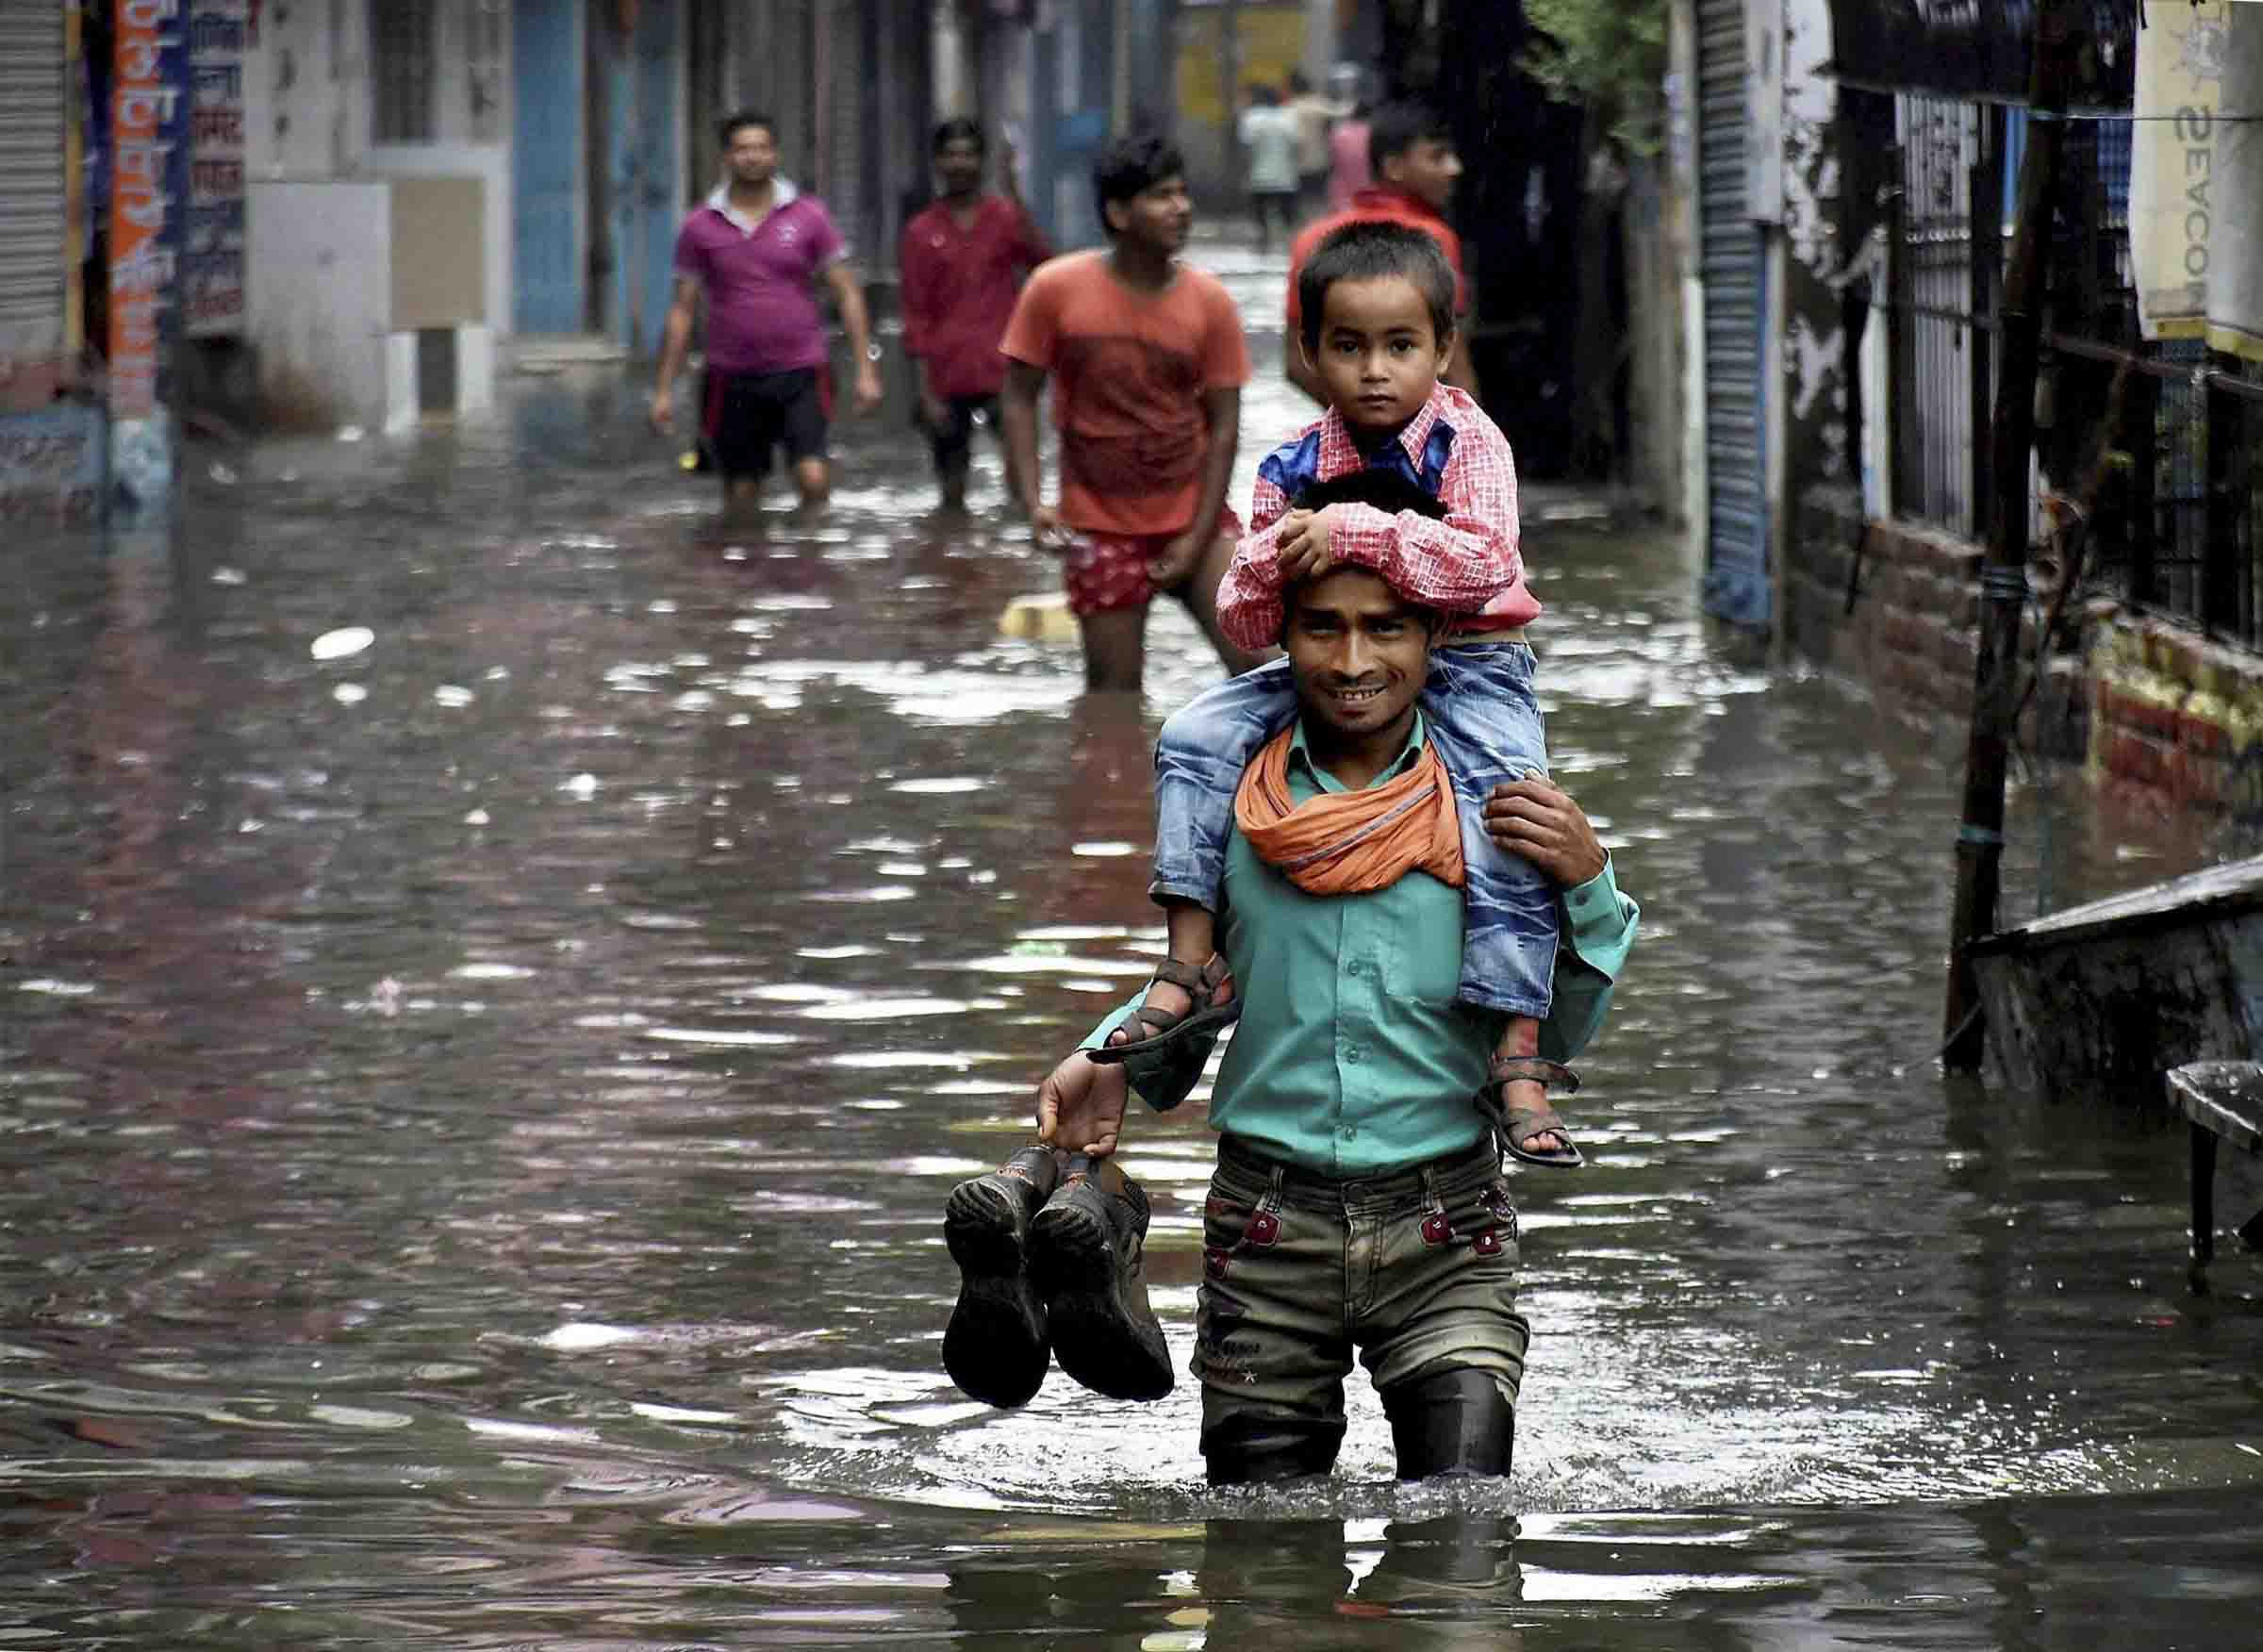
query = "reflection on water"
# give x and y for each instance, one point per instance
(477, 1139)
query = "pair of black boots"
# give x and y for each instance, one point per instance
(1051, 1264)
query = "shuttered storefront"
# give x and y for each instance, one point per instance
(31, 179)
(1736, 578)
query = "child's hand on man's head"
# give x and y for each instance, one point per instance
(1302, 547)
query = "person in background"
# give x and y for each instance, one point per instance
(1348, 170)
(1269, 142)
(757, 247)
(1148, 362)
(1415, 166)
(1315, 115)
(962, 263)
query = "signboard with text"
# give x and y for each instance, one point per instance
(212, 284)
(149, 188)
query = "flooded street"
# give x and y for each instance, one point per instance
(479, 1107)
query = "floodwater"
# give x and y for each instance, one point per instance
(479, 1098)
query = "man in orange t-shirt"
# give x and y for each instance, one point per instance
(1415, 167)
(1149, 362)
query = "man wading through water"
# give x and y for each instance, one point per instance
(757, 248)
(1358, 1202)
(1147, 363)
(961, 264)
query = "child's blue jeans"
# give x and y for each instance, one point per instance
(1485, 721)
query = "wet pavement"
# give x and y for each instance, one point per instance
(479, 1104)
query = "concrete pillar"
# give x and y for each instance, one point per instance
(148, 211)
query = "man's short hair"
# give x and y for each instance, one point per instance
(1389, 490)
(728, 127)
(1370, 249)
(1395, 128)
(1132, 166)
(959, 130)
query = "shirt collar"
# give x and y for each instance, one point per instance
(1390, 198)
(783, 195)
(1340, 455)
(1407, 756)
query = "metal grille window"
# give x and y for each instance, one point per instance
(402, 49)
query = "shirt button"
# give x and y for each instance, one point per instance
(1352, 1054)
(1349, 1131)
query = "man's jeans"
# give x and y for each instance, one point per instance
(1416, 1271)
(1485, 721)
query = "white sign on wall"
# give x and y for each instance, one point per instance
(213, 288)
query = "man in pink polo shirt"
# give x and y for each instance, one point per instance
(756, 248)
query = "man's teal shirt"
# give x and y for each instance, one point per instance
(1352, 1057)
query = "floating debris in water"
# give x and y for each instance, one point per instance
(343, 643)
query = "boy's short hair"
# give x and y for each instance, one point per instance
(1132, 166)
(959, 130)
(727, 128)
(1368, 249)
(1396, 126)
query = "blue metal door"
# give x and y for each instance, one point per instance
(646, 193)
(1737, 585)
(545, 166)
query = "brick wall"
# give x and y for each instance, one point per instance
(2149, 707)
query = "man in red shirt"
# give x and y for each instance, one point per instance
(1415, 167)
(962, 261)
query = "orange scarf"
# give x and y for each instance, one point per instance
(1346, 843)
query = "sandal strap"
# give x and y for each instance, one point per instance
(1199, 984)
(1524, 1123)
(1552, 1075)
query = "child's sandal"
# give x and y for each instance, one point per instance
(1514, 1126)
(1167, 1030)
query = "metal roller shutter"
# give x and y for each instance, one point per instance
(849, 120)
(1736, 579)
(31, 177)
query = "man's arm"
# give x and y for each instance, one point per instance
(848, 297)
(914, 299)
(1018, 408)
(1533, 818)
(1080, 1103)
(675, 344)
(1222, 412)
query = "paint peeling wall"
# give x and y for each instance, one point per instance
(2153, 712)
(307, 108)
(1814, 342)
